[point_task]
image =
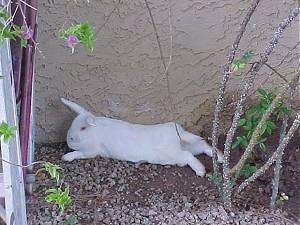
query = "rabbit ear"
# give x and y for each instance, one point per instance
(91, 120)
(77, 108)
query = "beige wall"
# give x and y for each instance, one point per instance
(123, 77)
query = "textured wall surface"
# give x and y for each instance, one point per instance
(123, 77)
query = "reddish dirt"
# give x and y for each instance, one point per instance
(258, 194)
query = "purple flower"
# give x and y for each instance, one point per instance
(71, 41)
(27, 33)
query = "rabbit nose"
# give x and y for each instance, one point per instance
(73, 138)
(70, 138)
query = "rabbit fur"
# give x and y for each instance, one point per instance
(92, 136)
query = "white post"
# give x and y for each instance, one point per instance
(14, 195)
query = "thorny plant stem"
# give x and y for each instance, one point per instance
(277, 167)
(273, 158)
(166, 67)
(227, 188)
(221, 92)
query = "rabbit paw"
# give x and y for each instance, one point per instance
(200, 172)
(69, 157)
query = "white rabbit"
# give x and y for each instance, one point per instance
(91, 136)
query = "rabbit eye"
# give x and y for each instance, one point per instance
(82, 128)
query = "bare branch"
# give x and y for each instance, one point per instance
(239, 107)
(106, 20)
(276, 72)
(28, 5)
(166, 67)
(277, 167)
(29, 165)
(225, 77)
(289, 52)
(273, 158)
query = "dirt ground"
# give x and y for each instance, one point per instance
(103, 189)
(106, 191)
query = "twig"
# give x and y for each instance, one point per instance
(289, 52)
(227, 189)
(23, 14)
(29, 165)
(221, 92)
(166, 67)
(277, 167)
(275, 71)
(171, 42)
(106, 21)
(273, 158)
(30, 6)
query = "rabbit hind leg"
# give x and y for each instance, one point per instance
(189, 159)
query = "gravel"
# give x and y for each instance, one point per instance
(106, 191)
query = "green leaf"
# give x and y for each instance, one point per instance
(239, 141)
(248, 125)
(215, 177)
(242, 62)
(247, 170)
(241, 122)
(84, 33)
(270, 124)
(262, 146)
(52, 169)
(263, 129)
(4, 13)
(262, 92)
(6, 131)
(58, 196)
(286, 111)
(71, 220)
(23, 42)
(235, 144)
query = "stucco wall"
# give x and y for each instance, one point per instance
(123, 77)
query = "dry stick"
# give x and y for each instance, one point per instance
(166, 67)
(106, 21)
(227, 187)
(14, 164)
(277, 167)
(221, 92)
(276, 72)
(273, 158)
(289, 52)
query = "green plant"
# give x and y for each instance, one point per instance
(247, 171)
(6, 131)
(214, 177)
(82, 33)
(254, 114)
(58, 196)
(283, 197)
(71, 220)
(242, 62)
(12, 31)
(52, 171)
